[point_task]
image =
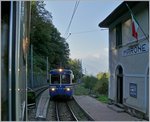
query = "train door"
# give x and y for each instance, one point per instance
(21, 50)
(15, 33)
(5, 14)
(8, 60)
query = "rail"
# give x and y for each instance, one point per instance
(81, 108)
(38, 90)
(64, 112)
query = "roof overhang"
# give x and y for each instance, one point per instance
(120, 10)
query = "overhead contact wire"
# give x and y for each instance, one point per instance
(75, 8)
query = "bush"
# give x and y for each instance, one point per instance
(31, 97)
(103, 98)
(81, 90)
(89, 82)
(97, 85)
(101, 86)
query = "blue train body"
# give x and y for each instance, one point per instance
(60, 91)
(61, 83)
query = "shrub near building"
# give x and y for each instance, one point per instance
(89, 83)
(101, 86)
(95, 86)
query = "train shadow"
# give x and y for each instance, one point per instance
(61, 99)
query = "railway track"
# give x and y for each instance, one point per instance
(60, 111)
(66, 111)
(81, 114)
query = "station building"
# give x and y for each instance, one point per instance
(129, 57)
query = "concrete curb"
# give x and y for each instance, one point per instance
(43, 105)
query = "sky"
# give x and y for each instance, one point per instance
(87, 42)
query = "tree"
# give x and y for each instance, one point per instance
(46, 39)
(102, 74)
(89, 82)
(102, 85)
(76, 66)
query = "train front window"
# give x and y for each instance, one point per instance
(55, 79)
(65, 79)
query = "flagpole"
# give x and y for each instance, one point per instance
(137, 22)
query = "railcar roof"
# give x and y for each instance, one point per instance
(64, 71)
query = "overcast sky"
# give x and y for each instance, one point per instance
(87, 41)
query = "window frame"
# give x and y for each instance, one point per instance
(118, 35)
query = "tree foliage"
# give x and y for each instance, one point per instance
(89, 82)
(46, 39)
(102, 74)
(102, 85)
(76, 66)
(97, 84)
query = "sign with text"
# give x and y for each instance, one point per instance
(133, 90)
(132, 50)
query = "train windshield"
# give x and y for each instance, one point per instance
(55, 79)
(65, 79)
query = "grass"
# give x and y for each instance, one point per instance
(103, 98)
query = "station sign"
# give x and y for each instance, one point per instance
(133, 90)
(137, 49)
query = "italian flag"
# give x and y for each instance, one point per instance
(134, 28)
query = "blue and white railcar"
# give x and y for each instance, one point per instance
(61, 83)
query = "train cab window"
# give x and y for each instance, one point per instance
(55, 79)
(65, 79)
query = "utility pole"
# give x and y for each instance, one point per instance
(31, 66)
(60, 65)
(47, 67)
(81, 68)
(85, 71)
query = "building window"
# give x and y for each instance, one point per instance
(118, 35)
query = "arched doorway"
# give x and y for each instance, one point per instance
(119, 78)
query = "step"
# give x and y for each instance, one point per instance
(116, 108)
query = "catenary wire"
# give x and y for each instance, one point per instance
(75, 8)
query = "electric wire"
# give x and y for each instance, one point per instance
(88, 31)
(75, 8)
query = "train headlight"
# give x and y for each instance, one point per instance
(60, 70)
(53, 89)
(68, 89)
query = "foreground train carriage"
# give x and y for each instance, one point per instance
(61, 83)
(15, 19)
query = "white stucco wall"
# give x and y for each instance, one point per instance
(135, 64)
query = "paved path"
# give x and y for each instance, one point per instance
(43, 105)
(100, 111)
